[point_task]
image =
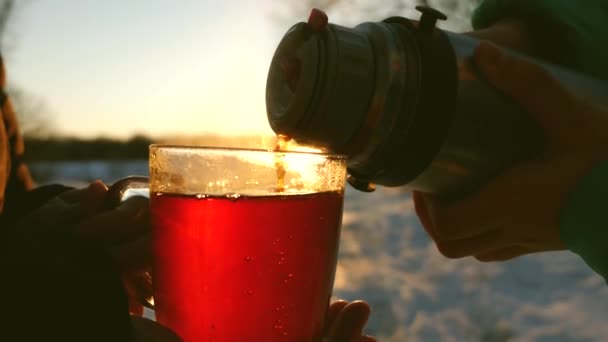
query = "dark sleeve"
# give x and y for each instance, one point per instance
(59, 288)
(28, 201)
(583, 221)
(573, 33)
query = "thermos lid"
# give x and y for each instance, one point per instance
(321, 76)
(382, 93)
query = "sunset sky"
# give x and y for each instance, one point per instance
(157, 67)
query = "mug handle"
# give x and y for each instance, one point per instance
(139, 285)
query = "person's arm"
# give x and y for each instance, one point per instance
(571, 33)
(583, 221)
(551, 203)
(60, 285)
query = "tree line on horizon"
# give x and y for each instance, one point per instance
(69, 148)
(134, 148)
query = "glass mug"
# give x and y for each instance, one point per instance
(245, 241)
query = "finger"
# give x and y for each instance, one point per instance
(489, 241)
(422, 211)
(135, 308)
(530, 85)
(503, 254)
(471, 216)
(76, 195)
(488, 208)
(138, 286)
(332, 313)
(123, 223)
(88, 198)
(350, 322)
(135, 255)
(92, 200)
(55, 212)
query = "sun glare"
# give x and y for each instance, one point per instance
(300, 163)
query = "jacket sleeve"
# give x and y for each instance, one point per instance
(583, 221)
(574, 34)
(58, 287)
(567, 32)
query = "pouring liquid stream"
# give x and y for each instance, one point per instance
(281, 144)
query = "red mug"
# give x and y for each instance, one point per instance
(237, 254)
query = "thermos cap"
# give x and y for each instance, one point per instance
(321, 77)
(381, 93)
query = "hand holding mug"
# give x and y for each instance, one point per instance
(242, 233)
(122, 231)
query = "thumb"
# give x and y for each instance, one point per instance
(349, 324)
(531, 86)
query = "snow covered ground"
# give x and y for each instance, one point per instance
(418, 295)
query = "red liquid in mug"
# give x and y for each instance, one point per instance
(245, 269)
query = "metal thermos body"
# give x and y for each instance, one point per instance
(403, 100)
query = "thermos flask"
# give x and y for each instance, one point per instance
(402, 99)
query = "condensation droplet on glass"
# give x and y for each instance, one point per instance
(290, 237)
(248, 258)
(282, 253)
(158, 194)
(277, 240)
(282, 261)
(284, 333)
(248, 292)
(201, 196)
(289, 276)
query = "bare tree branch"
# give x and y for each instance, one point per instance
(32, 112)
(35, 119)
